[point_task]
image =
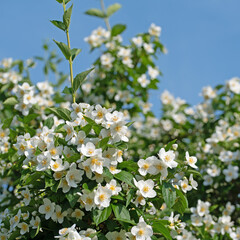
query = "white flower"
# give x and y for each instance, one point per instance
(161, 167)
(24, 228)
(143, 80)
(69, 130)
(138, 41)
(119, 132)
(114, 117)
(78, 214)
(79, 140)
(99, 113)
(34, 223)
(153, 72)
(142, 231)
(226, 223)
(116, 235)
(102, 196)
(147, 166)
(148, 47)
(146, 188)
(196, 220)
(74, 176)
(229, 209)
(106, 60)
(58, 215)
(203, 208)
(167, 157)
(185, 186)
(87, 200)
(208, 92)
(155, 30)
(191, 160)
(43, 161)
(90, 150)
(139, 199)
(193, 182)
(112, 185)
(54, 151)
(64, 185)
(47, 208)
(96, 164)
(213, 171)
(14, 221)
(234, 85)
(26, 196)
(231, 173)
(57, 165)
(207, 180)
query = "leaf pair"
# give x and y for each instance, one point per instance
(98, 13)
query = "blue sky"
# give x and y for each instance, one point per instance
(202, 37)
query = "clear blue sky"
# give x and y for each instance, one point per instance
(202, 37)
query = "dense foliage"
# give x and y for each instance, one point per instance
(74, 169)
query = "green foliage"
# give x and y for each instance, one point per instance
(95, 12)
(118, 29)
(113, 8)
(64, 49)
(79, 79)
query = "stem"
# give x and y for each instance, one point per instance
(70, 59)
(106, 19)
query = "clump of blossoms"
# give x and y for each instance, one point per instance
(74, 173)
(123, 73)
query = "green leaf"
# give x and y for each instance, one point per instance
(129, 124)
(14, 235)
(130, 196)
(120, 211)
(107, 173)
(10, 101)
(27, 119)
(7, 122)
(194, 172)
(32, 178)
(67, 17)
(160, 228)
(75, 52)
(169, 145)
(59, 128)
(87, 128)
(90, 121)
(169, 194)
(49, 122)
(129, 165)
(181, 203)
(35, 232)
(117, 29)
(61, 113)
(125, 220)
(56, 186)
(95, 12)
(97, 129)
(64, 48)
(49, 182)
(67, 90)
(72, 197)
(113, 8)
(103, 142)
(125, 177)
(78, 80)
(100, 216)
(59, 24)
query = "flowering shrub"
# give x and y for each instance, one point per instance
(65, 170)
(74, 169)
